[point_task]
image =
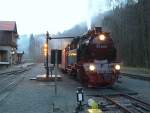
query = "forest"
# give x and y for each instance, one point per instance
(129, 25)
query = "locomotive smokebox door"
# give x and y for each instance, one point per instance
(53, 53)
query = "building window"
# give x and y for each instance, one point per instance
(3, 56)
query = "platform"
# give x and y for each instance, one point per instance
(50, 78)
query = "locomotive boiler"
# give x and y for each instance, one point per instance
(92, 59)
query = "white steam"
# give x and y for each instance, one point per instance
(95, 7)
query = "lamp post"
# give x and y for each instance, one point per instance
(47, 67)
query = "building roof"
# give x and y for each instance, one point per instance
(8, 26)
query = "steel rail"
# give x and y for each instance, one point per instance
(140, 106)
(138, 100)
(120, 106)
(12, 72)
(13, 83)
(8, 75)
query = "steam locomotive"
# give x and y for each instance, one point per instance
(92, 59)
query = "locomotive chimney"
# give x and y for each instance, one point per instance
(98, 29)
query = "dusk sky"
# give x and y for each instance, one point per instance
(39, 16)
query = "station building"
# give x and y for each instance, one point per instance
(8, 43)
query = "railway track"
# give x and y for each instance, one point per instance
(136, 76)
(121, 103)
(9, 80)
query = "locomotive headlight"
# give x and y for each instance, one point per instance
(102, 37)
(91, 67)
(117, 67)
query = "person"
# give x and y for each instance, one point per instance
(94, 107)
(92, 103)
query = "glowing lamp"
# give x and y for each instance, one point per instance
(117, 67)
(45, 49)
(91, 67)
(102, 37)
(45, 45)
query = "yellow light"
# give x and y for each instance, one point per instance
(92, 67)
(94, 111)
(102, 37)
(72, 54)
(117, 67)
(45, 50)
(45, 45)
